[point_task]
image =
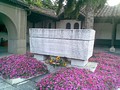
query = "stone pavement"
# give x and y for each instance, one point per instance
(26, 85)
(29, 85)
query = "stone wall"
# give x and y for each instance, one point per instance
(73, 44)
(15, 21)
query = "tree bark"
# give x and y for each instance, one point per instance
(89, 17)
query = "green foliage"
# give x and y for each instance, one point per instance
(72, 7)
(37, 3)
(48, 4)
(60, 5)
(42, 3)
(96, 3)
(75, 10)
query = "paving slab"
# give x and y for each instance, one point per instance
(91, 66)
(9, 88)
(4, 85)
(26, 86)
(36, 79)
(1, 80)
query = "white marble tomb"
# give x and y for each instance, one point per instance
(76, 45)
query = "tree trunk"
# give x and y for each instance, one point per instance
(89, 17)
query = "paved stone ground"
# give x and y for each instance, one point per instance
(106, 49)
(26, 85)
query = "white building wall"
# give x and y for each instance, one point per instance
(15, 20)
(103, 30)
(62, 23)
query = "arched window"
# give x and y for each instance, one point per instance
(76, 26)
(68, 26)
(49, 25)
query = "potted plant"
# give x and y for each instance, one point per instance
(57, 61)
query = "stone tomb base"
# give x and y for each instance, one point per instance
(53, 69)
(89, 66)
(40, 57)
(78, 62)
(74, 63)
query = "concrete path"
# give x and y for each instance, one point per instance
(26, 85)
(30, 85)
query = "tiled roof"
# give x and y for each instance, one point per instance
(105, 12)
(108, 11)
(46, 12)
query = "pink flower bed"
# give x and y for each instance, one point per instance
(109, 66)
(105, 77)
(22, 66)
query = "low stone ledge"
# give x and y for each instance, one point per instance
(14, 81)
(18, 80)
(91, 66)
